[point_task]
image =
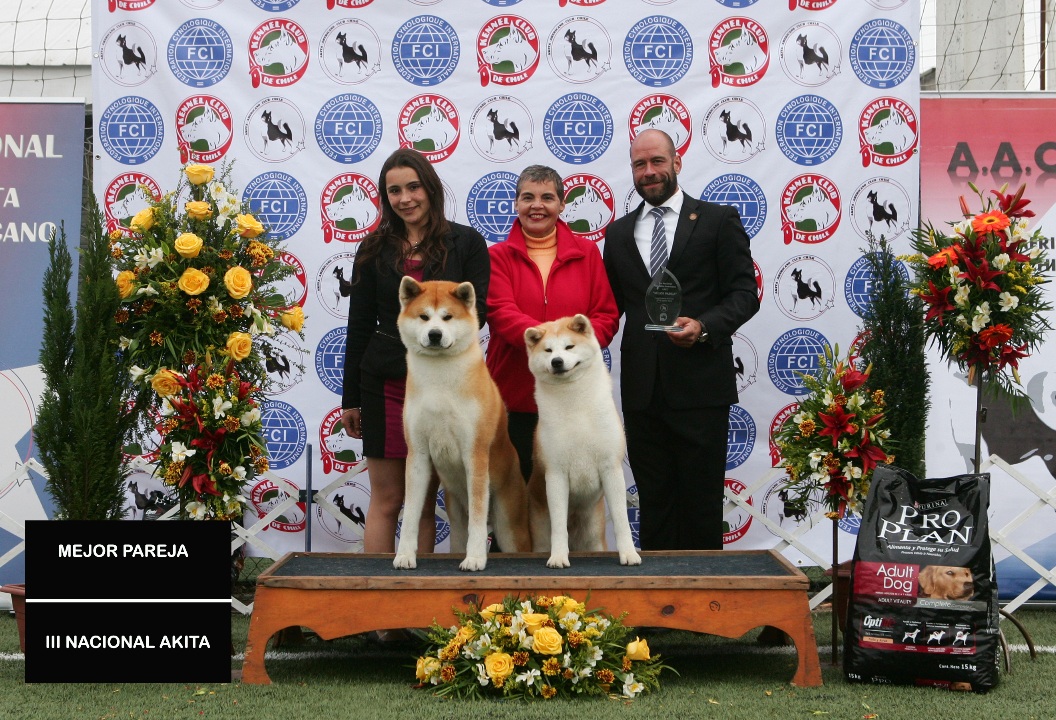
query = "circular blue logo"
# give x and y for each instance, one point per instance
(272, 6)
(737, 3)
(348, 128)
(131, 130)
(740, 437)
(658, 51)
(200, 53)
(850, 523)
(578, 128)
(502, 3)
(882, 53)
(330, 359)
(809, 130)
(793, 355)
(425, 50)
(279, 201)
(285, 433)
(743, 193)
(490, 205)
(858, 287)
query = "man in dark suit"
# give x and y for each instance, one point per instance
(677, 386)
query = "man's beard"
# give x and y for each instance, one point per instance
(656, 195)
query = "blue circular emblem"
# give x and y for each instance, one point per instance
(285, 433)
(200, 53)
(131, 130)
(425, 50)
(737, 3)
(348, 128)
(578, 128)
(502, 3)
(743, 193)
(275, 7)
(794, 353)
(490, 205)
(858, 287)
(882, 53)
(279, 201)
(658, 51)
(850, 523)
(634, 515)
(740, 437)
(809, 130)
(330, 359)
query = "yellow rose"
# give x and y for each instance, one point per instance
(188, 245)
(193, 282)
(491, 610)
(547, 641)
(533, 621)
(143, 220)
(125, 283)
(238, 281)
(564, 605)
(465, 634)
(239, 345)
(199, 210)
(638, 649)
(248, 226)
(165, 382)
(294, 320)
(499, 666)
(198, 174)
(426, 668)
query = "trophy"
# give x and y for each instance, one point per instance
(663, 301)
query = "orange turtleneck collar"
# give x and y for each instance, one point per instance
(542, 251)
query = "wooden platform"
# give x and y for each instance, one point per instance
(718, 592)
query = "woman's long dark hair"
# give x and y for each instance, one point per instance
(388, 242)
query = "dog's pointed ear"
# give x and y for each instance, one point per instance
(532, 336)
(580, 323)
(409, 290)
(466, 294)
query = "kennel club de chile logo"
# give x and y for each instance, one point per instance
(887, 132)
(775, 427)
(430, 124)
(340, 451)
(131, 130)
(349, 207)
(125, 196)
(589, 206)
(203, 124)
(735, 520)
(128, 54)
(267, 495)
(661, 111)
(579, 49)
(577, 128)
(658, 51)
(740, 52)
(425, 50)
(810, 209)
(128, 5)
(350, 51)
(278, 53)
(507, 51)
(200, 53)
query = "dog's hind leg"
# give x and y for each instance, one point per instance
(419, 472)
(456, 516)
(586, 528)
(509, 512)
(615, 489)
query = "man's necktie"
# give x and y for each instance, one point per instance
(658, 246)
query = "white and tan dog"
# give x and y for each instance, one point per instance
(579, 445)
(455, 422)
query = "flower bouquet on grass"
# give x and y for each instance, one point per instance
(834, 441)
(538, 647)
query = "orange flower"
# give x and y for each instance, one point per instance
(995, 336)
(944, 257)
(993, 221)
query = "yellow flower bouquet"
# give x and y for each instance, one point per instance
(537, 647)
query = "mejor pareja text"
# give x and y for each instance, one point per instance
(127, 550)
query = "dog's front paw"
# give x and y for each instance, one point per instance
(630, 557)
(405, 561)
(558, 561)
(473, 563)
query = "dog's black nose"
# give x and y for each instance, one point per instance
(557, 363)
(435, 336)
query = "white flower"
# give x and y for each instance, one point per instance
(566, 660)
(214, 305)
(961, 298)
(583, 673)
(166, 408)
(853, 472)
(963, 227)
(181, 452)
(250, 417)
(147, 290)
(571, 622)
(149, 259)
(1001, 261)
(799, 417)
(482, 675)
(197, 510)
(595, 655)
(233, 505)
(855, 401)
(220, 406)
(962, 321)
(1008, 301)
(528, 678)
(955, 275)
(827, 398)
(239, 473)
(1034, 252)
(1018, 228)
(982, 317)
(217, 190)
(136, 373)
(630, 687)
(123, 342)
(816, 456)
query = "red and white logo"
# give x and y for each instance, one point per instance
(430, 124)
(125, 196)
(349, 207)
(735, 519)
(589, 206)
(740, 52)
(267, 495)
(278, 53)
(340, 451)
(810, 209)
(347, 4)
(887, 132)
(810, 4)
(203, 123)
(758, 280)
(775, 426)
(128, 5)
(293, 287)
(507, 50)
(663, 112)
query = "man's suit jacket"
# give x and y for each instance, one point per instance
(712, 262)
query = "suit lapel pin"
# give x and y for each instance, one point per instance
(692, 216)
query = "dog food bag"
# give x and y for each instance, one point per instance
(923, 599)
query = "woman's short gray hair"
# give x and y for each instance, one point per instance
(540, 174)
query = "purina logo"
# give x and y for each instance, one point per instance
(333, 283)
(274, 130)
(805, 288)
(490, 205)
(577, 128)
(203, 124)
(350, 51)
(501, 128)
(131, 130)
(349, 206)
(588, 206)
(425, 50)
(267, 495)
(330, 359)
(348, 128)
(740, 52)
(351, 500)
(658, 51)
(431, 125)
(284, 363)
(507, 51)
(881, 206)
(810, 209)
(740, 437)
(272, 6)
(734, 130)
(279, 201)
(340, 451)
(579, 49)
(809, 130)
(278, 53)
(125, 196)
(858, 286)
(795, 352)
(887, 132)
(882, 53)
(293, 287)
(285, 433)
(128, 54)
(745, 362)
(743, 193)
(775, 426)
(200, 53)
(811, 53)
(735, 520)
(661, 111)
(128, 5)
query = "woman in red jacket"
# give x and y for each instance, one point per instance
(542, 272)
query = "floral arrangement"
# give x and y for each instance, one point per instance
(981, 286)
(195, 271)
(835, 440)
(538, 647)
